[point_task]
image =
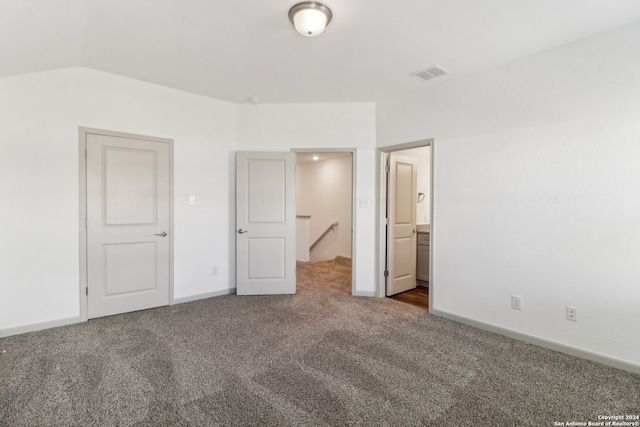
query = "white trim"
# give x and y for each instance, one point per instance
(542, 342)
(369, 294)
(381, 224)
(171, 219)
(431, 222)
(82, 218)
(198, 297)
(382, 206)
(33, 327)
(82, 176)
(23, 329)
(354, 223)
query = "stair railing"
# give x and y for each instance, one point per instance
(330, 228)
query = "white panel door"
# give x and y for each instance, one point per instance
(401, 234)
(128, 209)
(265, 223)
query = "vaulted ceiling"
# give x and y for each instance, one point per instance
(234, 49)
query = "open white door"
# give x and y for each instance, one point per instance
(265, 223)
(128, 223)
(401, 232)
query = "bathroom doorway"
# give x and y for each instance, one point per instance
(406, 212)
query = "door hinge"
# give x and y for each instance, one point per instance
(86, 154)
(86, 223)
(386, 221)
(387, 168)
(386, 273)
(86, 291)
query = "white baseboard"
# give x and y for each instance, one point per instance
(190, 298)
(542, 342)
(39, 326)
(77, 319)
(369, 294)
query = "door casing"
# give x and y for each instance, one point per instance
(82, 217)
(383, 152)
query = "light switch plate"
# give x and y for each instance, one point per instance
(192, 200)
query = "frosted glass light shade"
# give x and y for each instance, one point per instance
(310, 18)
(310, 22)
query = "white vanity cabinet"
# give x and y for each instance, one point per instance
(423, 257)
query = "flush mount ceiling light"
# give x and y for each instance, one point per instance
(310, 18)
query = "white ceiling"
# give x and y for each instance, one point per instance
(234, 49)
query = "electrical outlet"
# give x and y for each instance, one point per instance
(572, 314)
(214, 271)
(516, 302)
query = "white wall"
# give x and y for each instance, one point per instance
(323, 190)
(423, 155)
(40, 115)
(537, 192)
(282, 127)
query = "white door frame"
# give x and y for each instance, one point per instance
(382, 209)
(82, 218)
(353, 200)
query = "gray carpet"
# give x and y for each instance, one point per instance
(321, 357)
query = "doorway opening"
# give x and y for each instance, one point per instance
(324, 220)
(406, 223)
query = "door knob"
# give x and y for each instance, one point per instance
(415, 230)
(241, 231)
(164, 233)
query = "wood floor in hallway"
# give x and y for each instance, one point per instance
(418, 296)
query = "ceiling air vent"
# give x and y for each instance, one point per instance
(429, 73)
